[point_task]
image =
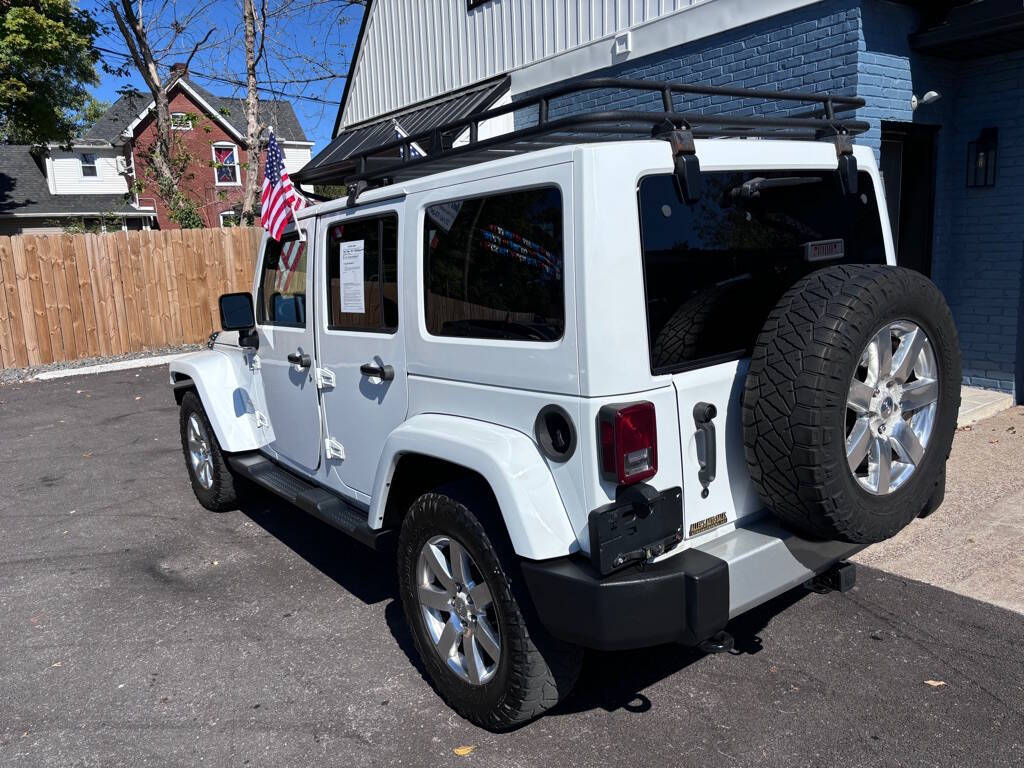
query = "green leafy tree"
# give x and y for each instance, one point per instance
(89, 114)
(47, 59)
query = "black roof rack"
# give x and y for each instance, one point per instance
(435, 150)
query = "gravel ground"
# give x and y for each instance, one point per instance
(140, 630)
(16, 375)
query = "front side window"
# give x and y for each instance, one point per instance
(362, 274)
(495, 267)
(282, 296)
(713, 270)
(225, 162)
(89, 165)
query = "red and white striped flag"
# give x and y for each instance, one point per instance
(279, 198)
(291, 255)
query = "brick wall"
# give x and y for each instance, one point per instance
(979, 233)
(814, 48)
(860, 47)
(200, 185)
(981, 265)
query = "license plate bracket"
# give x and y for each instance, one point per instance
(640, 524)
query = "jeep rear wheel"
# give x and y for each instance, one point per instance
(483, 650)
(851, 401)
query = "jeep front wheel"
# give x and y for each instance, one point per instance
(212, 480)
(487, 658)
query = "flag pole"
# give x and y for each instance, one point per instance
(291, 206)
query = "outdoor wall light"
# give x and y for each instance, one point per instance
(929, 98)
(981, 159)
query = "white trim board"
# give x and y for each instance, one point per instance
(129, 132)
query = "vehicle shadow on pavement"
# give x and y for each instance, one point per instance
(615, 680)
(609, 680)
(366, 574)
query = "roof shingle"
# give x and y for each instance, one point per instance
(23, 190)
(122, 112)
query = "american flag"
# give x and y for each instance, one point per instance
(415, 150)
(279, 197)
(291, 255)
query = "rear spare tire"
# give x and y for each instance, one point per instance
(851, 401)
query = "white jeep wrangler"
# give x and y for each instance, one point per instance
(603, 394)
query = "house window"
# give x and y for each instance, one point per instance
(181, 121)
(225, 164)
(89, 165)
(229, 219)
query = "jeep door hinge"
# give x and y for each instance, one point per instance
(325, 378)
(261, 419)
(254, 363)
(334, 449)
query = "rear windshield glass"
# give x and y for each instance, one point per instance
(494, 267)
(714, 269)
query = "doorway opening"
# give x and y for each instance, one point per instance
(908, 169)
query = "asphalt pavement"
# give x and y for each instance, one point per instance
(137, 629)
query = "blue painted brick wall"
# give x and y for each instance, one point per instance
(979, 266)
(814, 49)
(860, 47)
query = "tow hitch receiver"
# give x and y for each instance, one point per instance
(841, 577)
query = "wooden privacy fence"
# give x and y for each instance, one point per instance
(64, 297)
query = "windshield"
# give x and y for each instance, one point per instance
(714, 269)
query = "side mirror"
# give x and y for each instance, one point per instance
(236, 312)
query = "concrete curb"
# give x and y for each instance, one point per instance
(120, 365)
(977, 404)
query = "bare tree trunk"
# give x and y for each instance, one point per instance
(254, 129)
(134, 31)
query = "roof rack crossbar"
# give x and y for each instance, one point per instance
(817, 123)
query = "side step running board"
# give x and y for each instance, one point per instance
(317, 501)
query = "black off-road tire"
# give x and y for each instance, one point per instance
(535, 671)
(794, 403)
(223, 494)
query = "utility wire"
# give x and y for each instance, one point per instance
(241, 84)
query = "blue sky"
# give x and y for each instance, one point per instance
(315, 103)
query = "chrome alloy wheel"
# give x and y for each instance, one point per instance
(457, 610)
(891, 407)
(199, 452)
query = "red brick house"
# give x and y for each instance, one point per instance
(92, 185)
(213, 130)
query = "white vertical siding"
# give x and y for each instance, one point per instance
(414, 50)
(68, 179)
(295, 157)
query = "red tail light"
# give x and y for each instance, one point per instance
(629, 442)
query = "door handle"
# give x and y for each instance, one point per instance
(300, 359)
(707, 451)
(382, 372)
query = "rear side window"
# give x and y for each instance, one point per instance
(362, 274)
(714, 270)
(494, 267)
(282, 298)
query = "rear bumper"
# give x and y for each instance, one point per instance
(686, 598)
